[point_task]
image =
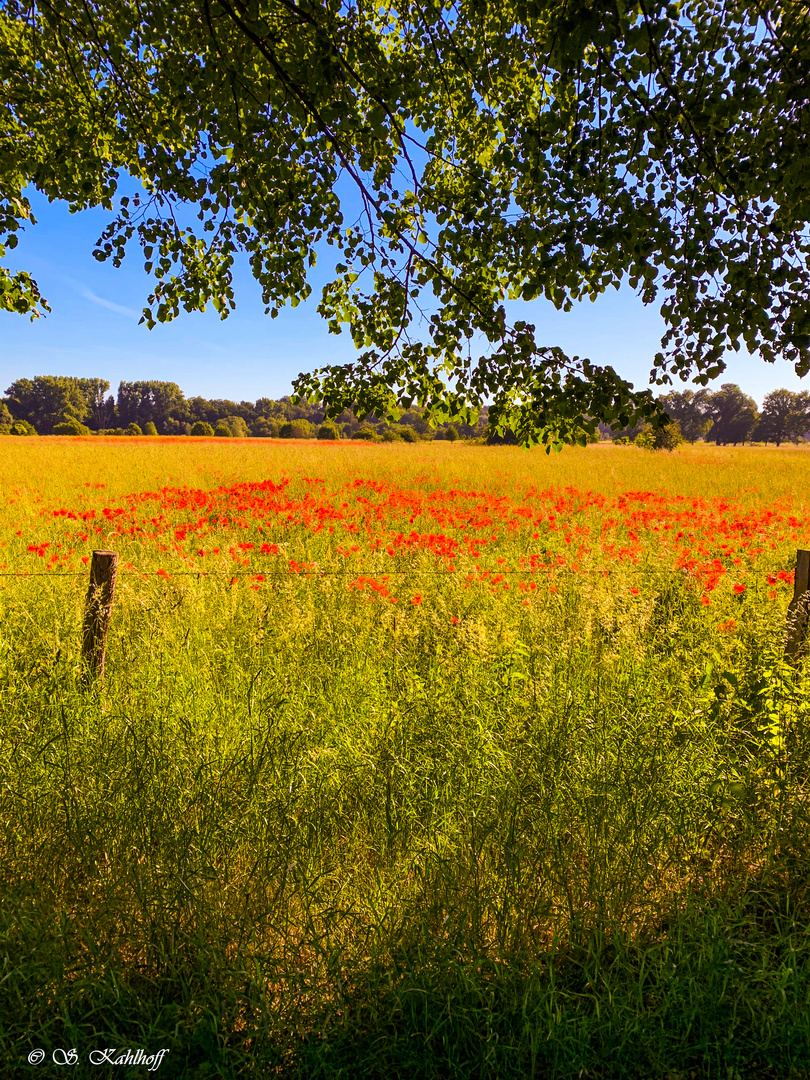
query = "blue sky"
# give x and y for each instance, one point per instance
(93, 328)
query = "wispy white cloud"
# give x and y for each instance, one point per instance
(88, 294)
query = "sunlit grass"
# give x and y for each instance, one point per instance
(443, 828)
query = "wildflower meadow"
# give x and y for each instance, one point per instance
(409, 761)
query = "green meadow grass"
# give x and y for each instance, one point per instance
(298, 833)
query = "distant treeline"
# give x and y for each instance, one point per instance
(61, 404)
(728, 416)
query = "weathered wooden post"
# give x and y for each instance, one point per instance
(98, 611)
(797, 609)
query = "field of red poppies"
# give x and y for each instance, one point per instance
(429, 760)
(376, 530)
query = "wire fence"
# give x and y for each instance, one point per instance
(390, 571)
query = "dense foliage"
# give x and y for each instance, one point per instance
(454, 155)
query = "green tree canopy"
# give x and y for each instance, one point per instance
(521, 149)
(692, 411)
(734, 414)
(47, 400)
(785, 416)
(152, 400)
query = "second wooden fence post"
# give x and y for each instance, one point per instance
(98, 611)
(797, 609)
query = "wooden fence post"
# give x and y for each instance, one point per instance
(98, 610)
(797, 609)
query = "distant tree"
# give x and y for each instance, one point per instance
(414, 418)
(328, 431)
(70, 427)
(222, 431)
(46, 400)
(269, 409)
(149, 428)
(785, 417)
(734, 414)
(140, 402)
(6, 419)
(103, 415)
(202, 427)
(134, 429)
(692, 411)
(100, 409)
(302, 410)
(667, 438)
(264, 428)
(451, 433)
(238, 426)
(175, 426)
(622, 436)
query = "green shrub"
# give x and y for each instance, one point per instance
(667, 438)
(134, 429)
(150, 429)
(297, 429)
(222, 431)
(71, 427)
(366, 433)
(451, 433)
(390, 434)
(407, 433)
(22, 427)
(327, 430)
(202, 427)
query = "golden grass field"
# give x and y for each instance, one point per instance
(426, 760)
